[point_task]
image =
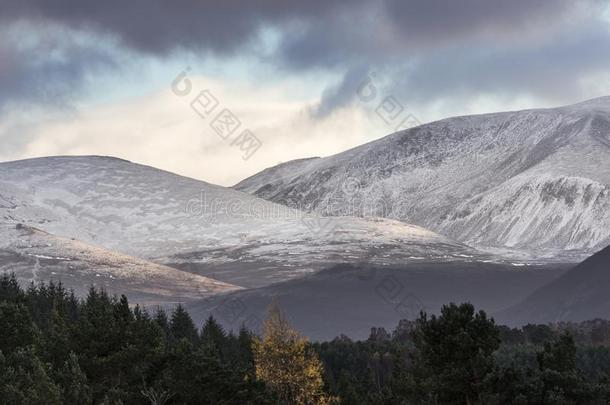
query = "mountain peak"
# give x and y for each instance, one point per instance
(594, 103)
(71, 158)
(533, 179)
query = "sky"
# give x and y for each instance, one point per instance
(219, 90)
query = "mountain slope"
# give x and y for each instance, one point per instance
(535, 179)
(34, 255)
(199, 227)
(350, 299)
(579, 294)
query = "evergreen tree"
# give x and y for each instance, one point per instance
(562, 382)
(214, 337)
(244, 355)
(73, 383)
(16, 327)
(196, 376)
(56, 340)
(453, 355)
(182, 326)
(26, 380)
(10, 291)
(163, 322)
(55, 348)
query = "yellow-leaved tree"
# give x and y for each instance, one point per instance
(286, 363)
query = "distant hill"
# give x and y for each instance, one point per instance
(199, 227)
(580, 294)
(350, 299)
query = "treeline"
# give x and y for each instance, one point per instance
(58, 349)
(462, 357)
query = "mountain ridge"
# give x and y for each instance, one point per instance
(536, 162)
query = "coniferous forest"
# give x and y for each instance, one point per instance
(59, 349)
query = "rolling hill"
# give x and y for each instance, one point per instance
(202, 228)
(34, 256)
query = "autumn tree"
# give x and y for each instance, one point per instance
(285, 362)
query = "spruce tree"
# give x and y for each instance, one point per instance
(182, 326)
(214, 337)
(453, 355)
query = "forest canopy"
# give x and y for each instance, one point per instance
(58, 349)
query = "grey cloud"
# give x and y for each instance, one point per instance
(459, 50)
(342, 94)
(551, 71)
(441, 20)
(393, 29)
(468, 45)
(46, 67)
(158, 26)
(224, 26)
(153, 27)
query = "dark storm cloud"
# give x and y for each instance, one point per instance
(152, 27)
(27, 74)
(439, 20)
(52, 82)
(551, 70)
(456, 50)
(468, 37)
(342, 94)
(398, 28)
(160, 26)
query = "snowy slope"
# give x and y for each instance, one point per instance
(159, 216)
(535, 179)
(34, 255)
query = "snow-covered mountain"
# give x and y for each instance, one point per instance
(534, 179)
(199, 227)
(34, 255)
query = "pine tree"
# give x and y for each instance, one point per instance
(57, 340)
(122, 313)
(214, 337)
(182, 326)
(10, 291)
(286, 364)
(16, 327)
(73, 381)
(563, 383)
(163, 322)
(25, 379)
(453, 354)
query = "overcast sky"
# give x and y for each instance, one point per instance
(188, 86)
